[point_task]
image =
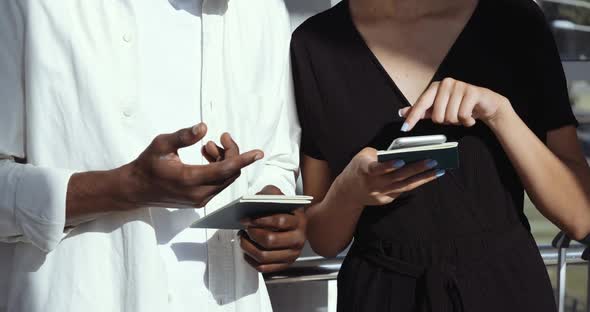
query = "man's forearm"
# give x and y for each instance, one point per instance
(94, 193)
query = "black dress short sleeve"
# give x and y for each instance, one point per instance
(307, 96)
(553, 109)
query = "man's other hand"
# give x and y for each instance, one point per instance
(274, 242)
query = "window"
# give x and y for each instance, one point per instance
(570, 21)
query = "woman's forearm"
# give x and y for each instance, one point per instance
(332, 221)
(557, 191)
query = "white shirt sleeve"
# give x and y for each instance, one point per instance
(32, 199)
(32, 204)
(281, 161)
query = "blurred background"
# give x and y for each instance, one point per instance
(570, 22)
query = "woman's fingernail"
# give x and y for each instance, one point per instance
(258, 157)
(431, 164)
(405, 127)
(399, 113)
(398, 164)
(440, 173)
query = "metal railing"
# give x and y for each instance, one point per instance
(562, 245)
(561, 254)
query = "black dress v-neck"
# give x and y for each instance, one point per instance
(462, 242)
(361, 41)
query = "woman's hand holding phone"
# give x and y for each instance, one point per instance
(367, 182)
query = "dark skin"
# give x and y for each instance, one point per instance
(270, 243)
(157, 178)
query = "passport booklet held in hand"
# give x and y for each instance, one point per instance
(253, 206)
(413, 149)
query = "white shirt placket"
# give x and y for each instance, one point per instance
(221, 270)
(128, 56)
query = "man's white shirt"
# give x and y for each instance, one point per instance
(86, 85)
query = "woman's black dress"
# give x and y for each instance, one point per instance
(462, 242)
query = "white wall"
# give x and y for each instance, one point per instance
(300, 10)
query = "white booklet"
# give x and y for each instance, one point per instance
(251, 206)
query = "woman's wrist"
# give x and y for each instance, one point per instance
(343, 195)
(503, 117)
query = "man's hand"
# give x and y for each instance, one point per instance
(273, 243)
(159, 178)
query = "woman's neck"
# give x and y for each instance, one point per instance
(404, 9)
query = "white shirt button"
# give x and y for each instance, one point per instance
(127, 113)
(127, 37)
(170, 297)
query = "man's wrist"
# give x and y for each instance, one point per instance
(94, 193)
(123, 187)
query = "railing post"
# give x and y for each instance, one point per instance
(561, 242)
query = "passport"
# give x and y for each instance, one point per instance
(446, 154)
(228, 217)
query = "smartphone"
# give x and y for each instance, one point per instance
(417, 141)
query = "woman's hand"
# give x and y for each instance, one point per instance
(453, 102)
(367, 182)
